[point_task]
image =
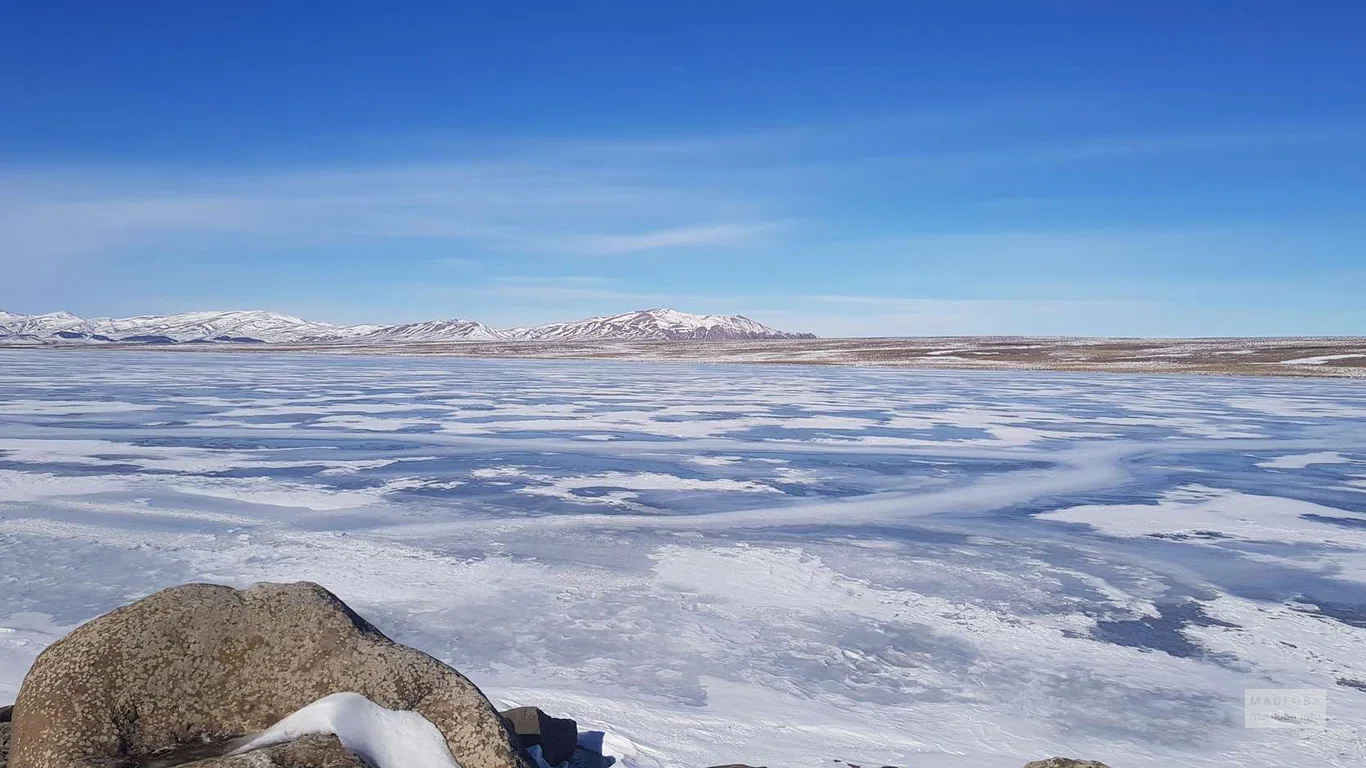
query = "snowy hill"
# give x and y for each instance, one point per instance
(272, 327)
(433, 330)
(248, 326)
(38, 327)
(657, 324)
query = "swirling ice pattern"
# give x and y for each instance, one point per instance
(727, 563)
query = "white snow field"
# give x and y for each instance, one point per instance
(775, 565)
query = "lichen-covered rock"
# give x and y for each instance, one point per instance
(1065, 762)
(206, 663)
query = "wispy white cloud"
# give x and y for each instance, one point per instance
(573, 289)
(584, 197)
(541, 203)
(704, 235)
(556, 279)
(455, 262)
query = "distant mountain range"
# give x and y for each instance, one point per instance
(259, 327)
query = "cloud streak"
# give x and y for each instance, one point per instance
(705, 235)
(587, 197)
(545, 205)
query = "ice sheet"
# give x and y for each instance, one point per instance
(718, 564)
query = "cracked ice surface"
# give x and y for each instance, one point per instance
(726, 563)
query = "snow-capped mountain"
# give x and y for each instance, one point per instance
(245, 326)
(38, 327)
(254, 325)
(433, 330)
(657, 324)
(272, 327)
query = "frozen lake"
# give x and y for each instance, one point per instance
(774, 565)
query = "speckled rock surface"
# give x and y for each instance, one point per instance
(202, 662)
(1065, 762)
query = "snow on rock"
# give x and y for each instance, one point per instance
(384, 738)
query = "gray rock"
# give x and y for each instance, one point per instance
(1065, 762)
(206, 663)
(556, 736)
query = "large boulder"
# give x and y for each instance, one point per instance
(1065, 762)
(205, 663)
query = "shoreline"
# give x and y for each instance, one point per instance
(1313, 357)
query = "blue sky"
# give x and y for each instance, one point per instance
(1161, 168)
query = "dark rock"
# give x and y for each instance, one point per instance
(1065, 762)
(557, 736)
(6, 713)
(4, 744)
(204, 663)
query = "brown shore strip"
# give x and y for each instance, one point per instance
(1333, 357)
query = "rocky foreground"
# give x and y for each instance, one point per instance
(213, 677)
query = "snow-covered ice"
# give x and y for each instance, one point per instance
(1302, 460)
(714, 564)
